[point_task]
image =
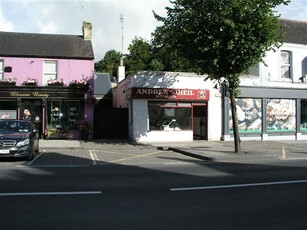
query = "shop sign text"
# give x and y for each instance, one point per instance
(26, 94)
(170, 94)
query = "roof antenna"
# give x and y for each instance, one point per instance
(122, 22)
(121, 68)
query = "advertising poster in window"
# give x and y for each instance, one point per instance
(281, 115)
(249, 115)
(8, 114)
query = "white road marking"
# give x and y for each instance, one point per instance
(238, 185)
(93, 157)
(51, 193)
(52, 166)
(31, 162)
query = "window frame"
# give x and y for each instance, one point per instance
(2, 70)
(49, 75)
(287, 65)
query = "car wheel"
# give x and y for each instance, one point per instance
(36, 147)
(31, 156)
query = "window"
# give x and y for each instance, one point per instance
(50, 71)
(8, 109)
(1, 70)
(63, 115)
(303, 115)
(169, 116)
(281, 115)
(285, 65)
(249, 115)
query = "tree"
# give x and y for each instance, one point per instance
(222, 38)
(109, 63)
(139, 56)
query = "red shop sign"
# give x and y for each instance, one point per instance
(169, 94)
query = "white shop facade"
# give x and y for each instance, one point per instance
(166, 107)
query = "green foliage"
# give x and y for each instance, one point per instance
(109, 63)
(222, 38)
(139, 56)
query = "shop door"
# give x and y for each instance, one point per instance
(200, 122)
(35, 108)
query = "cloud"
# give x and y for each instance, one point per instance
(296, 10)
(5, 24)
(67, 16)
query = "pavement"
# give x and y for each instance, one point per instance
(129, 152)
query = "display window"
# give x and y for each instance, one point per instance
(8, 109)
(249, 115)
(63, 116)
(169, 116)
(303, 125)
(281, 115)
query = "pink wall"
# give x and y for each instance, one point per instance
(68, 70)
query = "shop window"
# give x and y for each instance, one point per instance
(169, 116)
(50, 71)
(63, 116)
(281, 115)
(285, 66)
(1, 70)
(8, 109)
(249, 115)
(303, 125)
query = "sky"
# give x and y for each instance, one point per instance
(67, 16)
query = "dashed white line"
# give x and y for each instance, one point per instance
(238, 185)
(93, 157)
(51, 193)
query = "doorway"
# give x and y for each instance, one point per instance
(35, 108)
(200, 127)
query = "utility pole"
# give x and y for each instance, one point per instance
(121, 68)
(122, 22)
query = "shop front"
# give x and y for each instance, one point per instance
(167, 114)
(55, 111)
(268, 114)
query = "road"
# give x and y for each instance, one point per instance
(184, 194)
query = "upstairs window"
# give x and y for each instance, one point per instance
(50, 71)
(285, 65)
(253, 71)
(1, 69)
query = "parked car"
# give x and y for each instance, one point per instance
(18, 138)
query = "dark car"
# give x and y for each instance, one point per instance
(18, 138)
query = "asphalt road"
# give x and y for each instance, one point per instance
(189, 195)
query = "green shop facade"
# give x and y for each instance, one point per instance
(267, 114)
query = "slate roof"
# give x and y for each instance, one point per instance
(45, 46)
(295, 31)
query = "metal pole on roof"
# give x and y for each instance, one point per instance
(122, 22)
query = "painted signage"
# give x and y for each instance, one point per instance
(30, 94)
(169, 94)
(42, 94)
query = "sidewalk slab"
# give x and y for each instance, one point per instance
(59, 144)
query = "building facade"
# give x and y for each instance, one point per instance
(50, 75)
(272, 104)
(165, 106)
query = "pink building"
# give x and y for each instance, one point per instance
(52, 76)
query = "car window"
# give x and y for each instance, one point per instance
(14, 126)
(23, 127)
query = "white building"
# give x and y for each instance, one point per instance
(272, 104)
(273, 100)
(169, 106)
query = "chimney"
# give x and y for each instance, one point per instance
(87, 30)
